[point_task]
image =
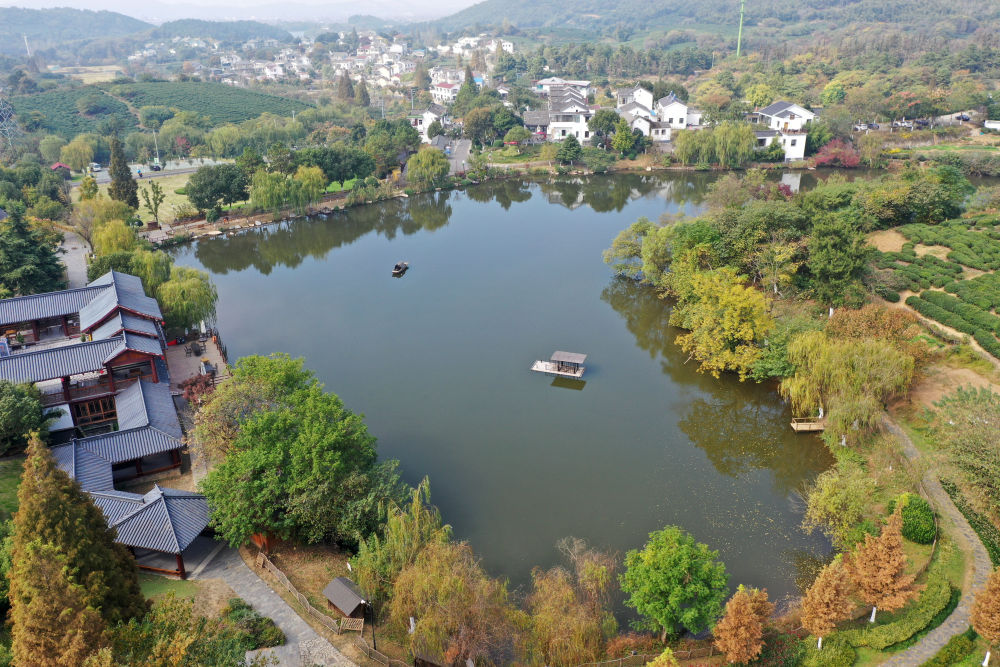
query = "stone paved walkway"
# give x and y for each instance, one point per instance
(75, 250)
(975, 578)
(304, 646)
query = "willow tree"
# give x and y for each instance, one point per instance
(406, 532)
(850, 379)
(188, 298)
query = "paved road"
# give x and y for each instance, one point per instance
(958, 621)
(103, 176)
(304, 646)
(74, 256)
(459, 158)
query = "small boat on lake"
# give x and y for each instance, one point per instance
(562, 364)
(400, 268)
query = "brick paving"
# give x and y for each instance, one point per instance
(975, 578)
(303, 646)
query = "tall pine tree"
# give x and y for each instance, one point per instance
(123, 186)
(54, 511)
(827, 602)
(28, 262)
(740, 633)
(986, 612)
(879, 568)
(53, 624)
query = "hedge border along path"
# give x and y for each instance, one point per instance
(958, 621)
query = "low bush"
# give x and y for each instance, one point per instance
(918, 518)
(957, 648)
(988, 341)
(967, 311)
(988, 533)
(939, 314)
(835, 653)
(258, 631)
(934, 598)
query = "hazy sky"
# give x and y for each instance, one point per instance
(268, 10)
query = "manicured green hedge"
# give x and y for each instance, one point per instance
(934, 598)
(958, 648)
(972, 314)
(939, 314)
(835, 653)
(988, 533)
(982, 291)
(918, 518)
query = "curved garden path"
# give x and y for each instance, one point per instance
(975, 578)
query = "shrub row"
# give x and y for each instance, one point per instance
(957, 648)
(918, 518)
(939, 314)
(968, 247)
(982, 291)
(988, 533)
(974, 315)
(833, 654)
(935, 597)
(988, 342)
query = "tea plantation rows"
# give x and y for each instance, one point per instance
(943, 292)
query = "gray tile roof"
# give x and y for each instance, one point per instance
(89, 469)
(128, 445)
(774, 108)
(344, 595)
(536, 118)
(84, 357)
(50, 304)
(148, 404)
(763, 134)
(669, 98)
(164, 520)
(124, 291)
(123, 321)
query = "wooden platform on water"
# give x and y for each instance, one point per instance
(552, 368)
(807, 424)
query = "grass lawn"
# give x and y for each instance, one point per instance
(10, 478)
(509, 156)
(336, 187)
(153, 585)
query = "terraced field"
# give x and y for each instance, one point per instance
(960, 290)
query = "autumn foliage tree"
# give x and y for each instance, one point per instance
(986, 612)
(460, 613)
(878, 568)
(827, 602)
(740, 633)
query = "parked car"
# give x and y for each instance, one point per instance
(903, 123)
(922, 122)
(155, 167)
(94, 166)
(861, 127)
(873, 126)
(962, 117)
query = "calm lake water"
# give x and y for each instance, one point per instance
(437, 361)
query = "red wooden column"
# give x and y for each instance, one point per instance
(65, 326)
(180, 567)
(65, 388)
(152, 365)
(111, 377)
(34, 329)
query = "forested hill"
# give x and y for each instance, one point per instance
(794, 19)
(48, 27)
(226, 31)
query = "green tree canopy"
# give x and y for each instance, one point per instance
(303, 466)
(28, 260)
(569, 150)
(838, 257)
(123, 186)
(187, 298)
(427, 167)
(675, 583)
(20, 414)
(213, 185)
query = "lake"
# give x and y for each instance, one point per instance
(502, 274)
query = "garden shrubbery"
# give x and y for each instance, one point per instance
(258, 631)
(957, 648)
(835, 653)
(988, 533)
(918, 518)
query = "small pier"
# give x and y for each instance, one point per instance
(562, 364)
(807, 424)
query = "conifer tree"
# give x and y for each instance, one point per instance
(345, 89)
(361, 97)
(123, 186)
(54, 511)
(986, 612)
(879, 568)
(827, 601)
(740, 633)
(53, 624)
(28, 263)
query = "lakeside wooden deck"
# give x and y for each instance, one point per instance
(807, 424)
(552, 368)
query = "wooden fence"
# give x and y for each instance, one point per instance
(330, 623)
(377, 656)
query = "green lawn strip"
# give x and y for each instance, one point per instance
(10, 478)
(153, 585)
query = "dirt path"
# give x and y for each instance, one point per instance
(975, 574)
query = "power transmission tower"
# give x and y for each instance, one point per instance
(739, 35)
(9, 131)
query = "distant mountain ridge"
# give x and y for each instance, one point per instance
(233, 31)
(45, 27)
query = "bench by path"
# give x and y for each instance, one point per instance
(976, 575)
(303, 646)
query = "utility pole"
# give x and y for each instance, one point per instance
(739, 35)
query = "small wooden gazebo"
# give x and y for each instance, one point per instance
(563, 364)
